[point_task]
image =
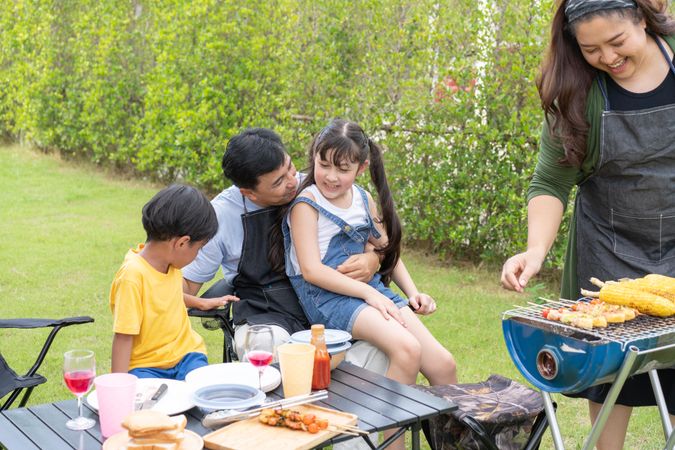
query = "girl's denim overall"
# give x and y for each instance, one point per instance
(321, 306)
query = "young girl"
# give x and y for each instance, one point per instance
(342, 218)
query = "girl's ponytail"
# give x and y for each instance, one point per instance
(392, 224)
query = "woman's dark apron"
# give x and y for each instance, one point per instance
(266, 296)
(626, 210)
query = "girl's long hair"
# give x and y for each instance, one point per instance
(565, 78)
(346, 140)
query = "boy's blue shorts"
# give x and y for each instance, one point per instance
(190, 362)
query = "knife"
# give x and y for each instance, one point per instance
(159, 393)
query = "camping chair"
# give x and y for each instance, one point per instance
(495, 414)
(219, 319)
(12, 383)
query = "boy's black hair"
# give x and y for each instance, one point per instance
(250, 154)
(177, 211)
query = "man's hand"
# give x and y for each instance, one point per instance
(205, 304)
(422, 304)
(360, 267)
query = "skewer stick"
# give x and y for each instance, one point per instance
(343, 431)
(591, 294)
(594, 281)
(350, 428)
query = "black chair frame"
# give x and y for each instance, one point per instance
(13, 384)
(219, 319)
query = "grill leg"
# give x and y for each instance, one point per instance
(661, 403)
(671, 442)
(610, 400)
(552, 421)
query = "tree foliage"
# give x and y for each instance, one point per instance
(159, 86)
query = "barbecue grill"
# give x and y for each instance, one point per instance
(560, 358)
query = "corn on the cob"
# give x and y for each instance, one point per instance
(645, 302)
(656, 284)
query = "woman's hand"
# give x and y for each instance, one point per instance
(385, 306)
(422, 304)
(205, 304)
(519, 268)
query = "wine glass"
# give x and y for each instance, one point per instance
(79, 370)
(259, 348)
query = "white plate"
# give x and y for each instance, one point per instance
(332, 349)
(332, 336)
(178, 397)
(233, 373)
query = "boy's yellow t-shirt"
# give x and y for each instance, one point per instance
(149, 305)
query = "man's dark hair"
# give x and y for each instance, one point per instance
(250, 154)
(177, 211)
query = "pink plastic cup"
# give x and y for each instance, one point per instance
(115, 393)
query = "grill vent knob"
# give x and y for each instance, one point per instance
(547, 364)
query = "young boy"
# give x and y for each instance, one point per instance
(153, 336)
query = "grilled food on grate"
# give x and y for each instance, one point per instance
(656, 284)
(635, 294)
(589, 315)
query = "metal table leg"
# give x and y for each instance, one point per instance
(552, 421)
(415, 431)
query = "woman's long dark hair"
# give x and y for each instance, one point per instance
(347, 141)
(566, 77)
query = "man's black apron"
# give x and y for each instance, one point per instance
(266, 297)
(626, 212)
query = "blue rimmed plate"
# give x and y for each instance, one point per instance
(227, 396)
(332, 349)
(333, 336)
(233, 373)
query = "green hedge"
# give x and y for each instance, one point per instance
(158, 87)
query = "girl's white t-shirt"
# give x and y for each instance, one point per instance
(356, 215)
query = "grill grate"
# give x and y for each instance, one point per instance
(642, 327)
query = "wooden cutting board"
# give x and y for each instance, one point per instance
(251, 434)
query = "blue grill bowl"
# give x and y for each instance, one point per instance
(580, 363)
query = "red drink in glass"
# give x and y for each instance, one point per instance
(260, 358)
(79, 381)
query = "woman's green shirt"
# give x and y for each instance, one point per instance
(552, 178)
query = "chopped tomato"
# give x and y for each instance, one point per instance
(322, 423)
(308, 419)
(313, 428)
(545, 312)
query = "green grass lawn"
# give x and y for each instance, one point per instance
(66, 228)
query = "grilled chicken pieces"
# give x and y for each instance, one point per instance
(589, 315)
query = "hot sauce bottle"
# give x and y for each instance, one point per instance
(321, 375)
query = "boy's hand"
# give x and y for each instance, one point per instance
(422, 304)
(206, 304)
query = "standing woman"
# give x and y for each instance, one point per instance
(607, 88)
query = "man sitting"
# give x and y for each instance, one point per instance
(264, 178)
